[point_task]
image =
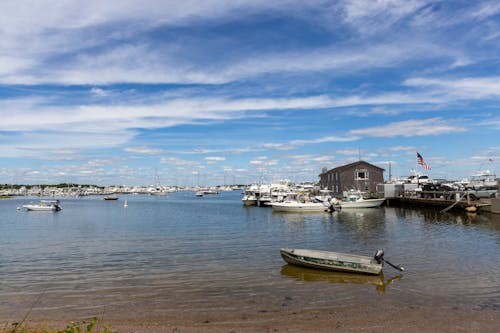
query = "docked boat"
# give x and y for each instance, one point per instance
(296, 206)
(354, 199)
(44, 205)
(332, 261)
(249, 198)
(482, 184)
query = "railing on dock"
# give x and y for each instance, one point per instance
(441, 199)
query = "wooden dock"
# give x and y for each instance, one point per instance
(439, 202)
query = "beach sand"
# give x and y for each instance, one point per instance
(331, 319)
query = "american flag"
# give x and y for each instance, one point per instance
(420, 160)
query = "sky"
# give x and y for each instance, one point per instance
(215, 92)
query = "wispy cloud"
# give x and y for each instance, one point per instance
(409, 128)
(463, 88)
(213, 159)
(144, 150)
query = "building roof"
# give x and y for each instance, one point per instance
(351, 165)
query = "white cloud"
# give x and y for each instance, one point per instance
(214, 158)
(99, 92)
(348, 152)
(144, 150)
(409, 128)
(487, 9)
(177, 161)
(462, 88)
(371, 17)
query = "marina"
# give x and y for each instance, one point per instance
(182, 257)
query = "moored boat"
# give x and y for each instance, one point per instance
(295, 206)
(249, 198)
(332, 261)
(354, 199)
(44, 205)
(111, 197)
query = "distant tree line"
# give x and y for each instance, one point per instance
(61, 185)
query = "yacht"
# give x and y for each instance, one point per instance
(483, 184)
(249, 198)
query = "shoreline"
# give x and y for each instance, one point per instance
(338, 319)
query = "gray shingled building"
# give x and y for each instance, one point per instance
(359, 175)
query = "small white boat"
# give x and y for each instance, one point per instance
(355, 199)
(44, 205)
(249, 199)
(125, 204)
(111, 197)
(199, 193)
(295, 206)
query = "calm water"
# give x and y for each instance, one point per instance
(183, 253)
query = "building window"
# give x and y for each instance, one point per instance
(361, 174)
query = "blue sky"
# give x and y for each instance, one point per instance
(212, 92)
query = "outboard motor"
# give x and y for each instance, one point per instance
(379, 256)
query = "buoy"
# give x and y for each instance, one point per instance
(471, 209)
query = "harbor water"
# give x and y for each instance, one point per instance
(168, 255)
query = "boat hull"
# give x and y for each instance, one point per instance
(41, 208)
(249, 202)
(298, 207)
(367, 203)
(331, 261)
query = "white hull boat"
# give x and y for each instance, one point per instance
(292, 206)
(249, 198)
(355, 199)
(361, 203)
(44, 205)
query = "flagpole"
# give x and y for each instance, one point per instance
(416, 172)
(416, 166)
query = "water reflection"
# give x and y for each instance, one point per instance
(436, 217)
(315, 275)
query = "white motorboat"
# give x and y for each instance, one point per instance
(44, 205)
(483, 184)
(354, 199)
(250, 196)
(296, 206)
(249, 199)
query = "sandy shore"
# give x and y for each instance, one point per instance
(338, 319)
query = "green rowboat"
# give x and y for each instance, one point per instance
(332, 261)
